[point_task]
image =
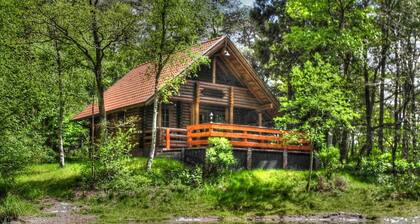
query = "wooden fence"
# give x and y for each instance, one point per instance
(168, 138)
(242, 136)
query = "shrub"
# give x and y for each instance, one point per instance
(112, 157)
(330, 160)
(192, 177)
(11, 207)
(219, 156)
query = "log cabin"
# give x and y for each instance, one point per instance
(225, 98)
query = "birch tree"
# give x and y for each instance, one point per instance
(171, 28)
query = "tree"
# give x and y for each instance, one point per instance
(320, 103)
(275, 58)
(170, 30)
(96, 29)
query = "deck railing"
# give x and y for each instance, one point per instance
(168, 138)
(242, 136)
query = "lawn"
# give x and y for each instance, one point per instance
(160, 196)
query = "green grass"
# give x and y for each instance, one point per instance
(159, 196)
(42, 180)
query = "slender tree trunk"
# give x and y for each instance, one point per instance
(97, 70)
(352, 144)
(369, 102)
(154, 130)
(381, 105)
(413, 121)
(384, 51)
(397, 122)
(344, 145)
(60, 102)
(159, 67)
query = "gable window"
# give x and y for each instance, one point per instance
(225, 76)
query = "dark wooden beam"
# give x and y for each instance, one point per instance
(231, 105)
(197, 103)
(260, 120)
(213, 70)
(268, 106)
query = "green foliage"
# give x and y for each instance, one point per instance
(112, 158)
(399, 181)
(320, 103)
(219, 156)
(74, 134)
(261, 190)
(11, 207)
(330, 160)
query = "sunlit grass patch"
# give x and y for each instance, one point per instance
(42, 180)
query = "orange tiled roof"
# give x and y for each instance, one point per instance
(137, 86)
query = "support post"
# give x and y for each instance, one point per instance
(197, 103)
(285, 159)
(213, 70)
(231, 105)
(260, 119)
(249, 159)
(168, 138)
(182, 155)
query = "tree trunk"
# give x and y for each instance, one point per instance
(97, 69)
(60, 103)
(397, 122)
(381, 106)
(344, 145)
(369, 102)
(154, 131)
(384, 51)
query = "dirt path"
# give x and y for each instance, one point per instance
(55, 211)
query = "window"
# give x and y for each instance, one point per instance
(213, 93)
(178, 114)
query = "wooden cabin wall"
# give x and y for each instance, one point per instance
(179, 114)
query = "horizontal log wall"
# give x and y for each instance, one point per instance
(242, 96)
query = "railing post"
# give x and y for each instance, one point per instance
(168, 138)
(249, 159)
(189, 136)
(182, 154)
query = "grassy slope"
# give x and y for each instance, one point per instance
(241, 194)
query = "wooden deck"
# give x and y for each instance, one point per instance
(241, 136)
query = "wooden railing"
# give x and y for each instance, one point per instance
(168, 138)
(242, 136)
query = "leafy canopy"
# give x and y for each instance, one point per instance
(320, 103)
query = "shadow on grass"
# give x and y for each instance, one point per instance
(49, 180)
(263, 190)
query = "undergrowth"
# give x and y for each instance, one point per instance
(173, 190)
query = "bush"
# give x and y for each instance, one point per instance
(403, 182)
(330, 160)
(112, 157)
(219, 156)
(338, 183)
(11, 207)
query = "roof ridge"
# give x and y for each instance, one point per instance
(212, 39)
